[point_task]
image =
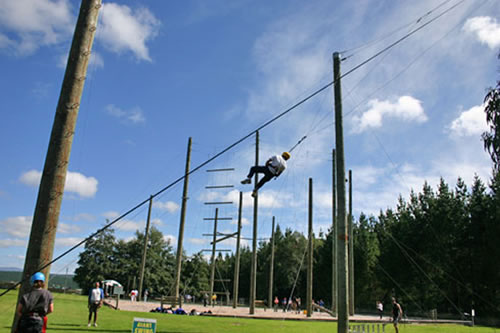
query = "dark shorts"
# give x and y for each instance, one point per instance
(395, 320)
(32, 324)
(94, 306)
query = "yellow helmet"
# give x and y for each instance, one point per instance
(286, 155)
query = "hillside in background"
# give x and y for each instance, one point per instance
(55, 281)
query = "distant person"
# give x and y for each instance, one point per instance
(34, 307)
(180, 311)
(205, 299)
(146, 293)
(274, 166)
(133, 295)
(96, 299)
(380, 308)
(284, 303)
(276, 303)
(298, 302)
(397, 314)
(214, 299)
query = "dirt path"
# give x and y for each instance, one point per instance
(228, 311)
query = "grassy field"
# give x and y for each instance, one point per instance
(70, 315)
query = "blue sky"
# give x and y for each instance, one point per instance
(164, 71)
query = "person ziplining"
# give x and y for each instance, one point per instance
(274, 166)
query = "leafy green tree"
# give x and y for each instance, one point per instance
(160, 262)
(366, 253)
(97, 260)
(491, 138)
(195, 276)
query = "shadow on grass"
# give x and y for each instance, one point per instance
(94, 329)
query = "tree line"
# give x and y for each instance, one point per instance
(438, 249)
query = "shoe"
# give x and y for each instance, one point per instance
(246, 181)
(88, 325)
(95, 324)
(254, 194)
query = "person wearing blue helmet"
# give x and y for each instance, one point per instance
(34, 307)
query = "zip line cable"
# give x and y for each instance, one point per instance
(497, 308)
(404, 26)
(272, 120)
(401, 288)
(412, 261)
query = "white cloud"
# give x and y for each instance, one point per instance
(13, 242)
(157, 222)
(96, 60)
(18, 226)
(244, 221)
(406, 108)
(470, 122)
(171, 239)
(267, 199)
(122, 29)
(17, 256)
(128, 225)
(486, 29)
(110, 215)
(133, 116)
(168, 206)
(35, 23)
(78, 183)
(85, 187)
(5, 42)
(65, 228)
(83, 217)
(198, 241)
(67, 241)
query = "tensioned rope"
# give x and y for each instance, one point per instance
(243, 139)
(412, 261)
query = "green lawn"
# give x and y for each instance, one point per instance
(70, 315)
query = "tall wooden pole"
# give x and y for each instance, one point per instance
(48, 205)
(334, 235)
(214, 244)
(310, 250)
(342, 234)
(351, 251)
(145, 248)
(253, 270)
(236, 280)
(180, 239)
(271, 270)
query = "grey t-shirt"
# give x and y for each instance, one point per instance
(37, 301)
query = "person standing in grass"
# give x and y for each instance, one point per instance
(380, 308)
(397, 314)
(34, 307)
(96, 298)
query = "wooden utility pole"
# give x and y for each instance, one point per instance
(334, 236)
(342, 234)
(48, 205)
(178, 261)
(253, 270)
(351, 251)
(236, 280)
(145, 248)
(271, 270)
(310, 250)
(214, 244)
